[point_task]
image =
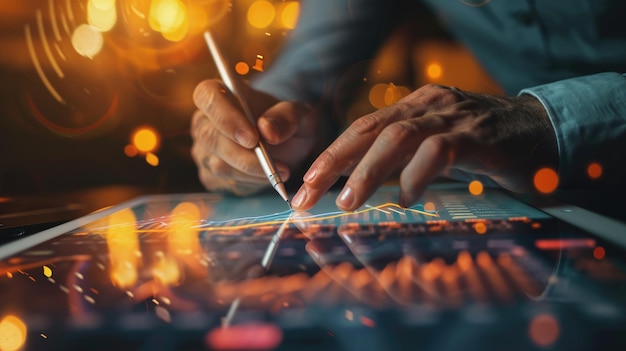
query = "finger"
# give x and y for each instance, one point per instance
(279, 122)
(197, 119)
(434, 155)
(395, 145)
(342, 155)
(213, 99)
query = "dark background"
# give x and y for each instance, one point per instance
(53, 154)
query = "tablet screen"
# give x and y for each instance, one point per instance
(184, 265)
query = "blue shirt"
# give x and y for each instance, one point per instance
(571, 55)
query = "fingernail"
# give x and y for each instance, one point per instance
(404, 200)
(346, 198)
(298, 199)
(243, 137)
(310, 175)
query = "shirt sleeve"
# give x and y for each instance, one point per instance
(588, 114)
(331, 36)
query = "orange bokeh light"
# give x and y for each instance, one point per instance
(480, 228)
(475, 187)
(599, 252)
(434, 71)
(242, 68)
(261, 14)
(544, 330)
(546, 180)
(429, 206)
(594, 170)
(130, 150)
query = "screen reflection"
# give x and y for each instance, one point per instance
(216, 271)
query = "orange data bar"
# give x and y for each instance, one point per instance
(557, 244)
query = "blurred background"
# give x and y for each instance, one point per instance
(98, 92)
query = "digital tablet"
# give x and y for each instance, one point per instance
(209, 271)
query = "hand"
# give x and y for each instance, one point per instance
(433, 131)
(224, 139)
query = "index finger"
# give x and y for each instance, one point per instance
(214, 100)
(343, 155)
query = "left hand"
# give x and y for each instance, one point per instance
(434, 130)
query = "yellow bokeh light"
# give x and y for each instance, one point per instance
(145, 140)
(261, 14)
(47, 271)
(434, 71)
(87, 40)
(475, 187)
(123, 245)
(167, 272)
(102, 4)
(12, 333)
(289, 13)
(242, 68)
(152, 159)
(101, 14)
(170, 18)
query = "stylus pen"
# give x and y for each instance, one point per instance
(269, 168)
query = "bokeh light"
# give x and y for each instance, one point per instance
(544, 330)
(434, 71)
(289, 12)
(261, 14)
(382, 94)
(87, 40)
(12, 333)
(169, 17)
(123, 245)
(145, 139)
(429, 206)
(242, 68)
(130, 150)
(47, 272)
(101, 14)
(594, 170)
(599, 252)
(546, 180)
(152, 159)
(475, 187)
(480, 227)
(395, 93)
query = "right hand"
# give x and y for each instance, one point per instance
(224, 139)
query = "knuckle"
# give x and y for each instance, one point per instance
(244, 165)
(208, 138)
(218, 167)
(365, 124)
(196, 120)
(205, 91)
(397, 132)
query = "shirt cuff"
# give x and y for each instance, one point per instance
(588, 115)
